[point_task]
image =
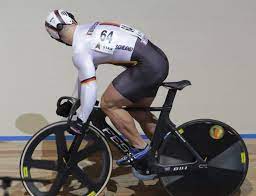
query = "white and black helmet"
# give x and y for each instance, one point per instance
(55, 21)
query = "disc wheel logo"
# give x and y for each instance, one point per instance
(217, 132)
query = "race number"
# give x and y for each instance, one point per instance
(104, 41)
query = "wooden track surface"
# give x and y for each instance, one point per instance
(122, 182)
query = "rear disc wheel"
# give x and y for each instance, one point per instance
(217, 143)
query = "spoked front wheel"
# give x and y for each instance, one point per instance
(47, 156)
(217, 143)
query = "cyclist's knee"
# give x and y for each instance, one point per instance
(106, 104)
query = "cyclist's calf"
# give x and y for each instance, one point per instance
(112, 103)
(147, 121)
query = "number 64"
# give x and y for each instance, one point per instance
(106, 36)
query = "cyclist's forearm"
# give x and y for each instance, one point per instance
(88, 98)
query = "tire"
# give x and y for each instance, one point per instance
(41, 158)
(220, 145)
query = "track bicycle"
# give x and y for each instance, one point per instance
(200, 157)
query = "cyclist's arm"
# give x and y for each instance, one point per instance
(88, 87)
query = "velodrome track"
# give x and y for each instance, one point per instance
(122, 182)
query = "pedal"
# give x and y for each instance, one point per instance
(143, 177)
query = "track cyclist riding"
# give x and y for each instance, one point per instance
(197, 158)
(146, 67)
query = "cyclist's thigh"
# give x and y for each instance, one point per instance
(112, 98)
(135, 83)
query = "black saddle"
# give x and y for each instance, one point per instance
(176, 85)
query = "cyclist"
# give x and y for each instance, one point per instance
(146, 67)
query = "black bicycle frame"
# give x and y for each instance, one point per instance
(164, 128)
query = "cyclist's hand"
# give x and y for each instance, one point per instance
(76, 127)
(64, 109)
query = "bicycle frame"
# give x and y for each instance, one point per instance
(164, 128)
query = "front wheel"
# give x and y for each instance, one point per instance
(46, 156)
(217, 143)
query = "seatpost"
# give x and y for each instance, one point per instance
(163, 120)
(170, 98)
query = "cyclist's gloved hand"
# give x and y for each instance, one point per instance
(64, 109)
(77, 127)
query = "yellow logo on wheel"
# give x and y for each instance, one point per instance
(181, 131)
(25, 171)
(217, 132)
(93, 193)
(243, 157)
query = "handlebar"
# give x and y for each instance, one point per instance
(75, 105)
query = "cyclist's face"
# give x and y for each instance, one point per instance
(66, 30)
(66, 34)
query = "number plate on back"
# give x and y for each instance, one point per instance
(104, 41)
